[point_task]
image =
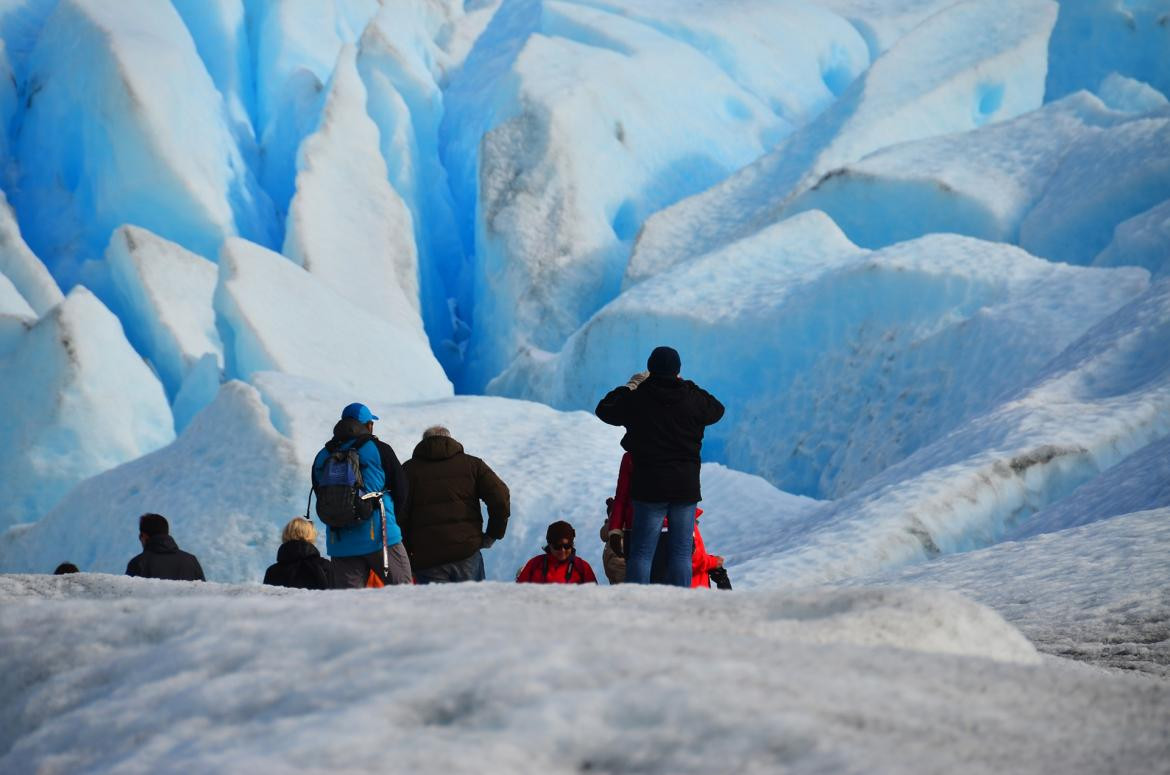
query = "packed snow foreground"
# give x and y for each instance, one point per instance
(919, 249)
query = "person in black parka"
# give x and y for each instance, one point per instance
(664, 417)
(161, 557)
(298, 563)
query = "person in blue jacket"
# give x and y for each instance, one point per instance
(356, 551)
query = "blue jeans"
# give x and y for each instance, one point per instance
(470, 569)
(679, 539)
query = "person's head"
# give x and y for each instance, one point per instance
(151, 525)
(299, 529)
(66, 567)
(436, 430)
(664, 361)
(559, 537)
(359, 412)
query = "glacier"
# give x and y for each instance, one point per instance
(919, 248)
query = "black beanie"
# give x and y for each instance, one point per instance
(664, 360)
(559, 531)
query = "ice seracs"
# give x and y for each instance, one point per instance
(1143, 240)
(981, 183)
(100, 141)
(16, 316)
(346, 225)
(1103, 398)
(402, 65)
(22, 268)
(575, 153)
(294, 49)
(272, 315)
(164, 295)
(971, 64)
(219, 29)
(835, 362)
(1101, 182)
(77, 401)
(1094, 38)
(227, 485)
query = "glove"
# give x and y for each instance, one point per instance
(637, 380)
(487, 542)
(615, 543)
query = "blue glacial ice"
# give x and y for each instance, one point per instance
(93, 404)
(164, 295)
(100, 145)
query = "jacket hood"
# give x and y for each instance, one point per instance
(347, 428)
(293, 551)
(437, 448)
(163, 544)
(663, 388)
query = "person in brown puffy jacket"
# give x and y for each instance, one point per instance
(443, 530)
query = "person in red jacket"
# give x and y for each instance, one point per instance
(702, 563)
(559, 564)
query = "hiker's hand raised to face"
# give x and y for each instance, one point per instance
(637, 379)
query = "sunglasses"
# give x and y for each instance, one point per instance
(565, 547)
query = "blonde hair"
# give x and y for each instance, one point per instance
(299, 529)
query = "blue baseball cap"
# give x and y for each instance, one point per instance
(359, 412)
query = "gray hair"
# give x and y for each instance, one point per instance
(436, 430)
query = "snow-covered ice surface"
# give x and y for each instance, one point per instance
(173, 675)
(1096, 593)
(1140, 482)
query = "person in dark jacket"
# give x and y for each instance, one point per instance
(559, 564)
(357, 550)
(444, 530)
(298, 563)
(664, 417)
(161, 557)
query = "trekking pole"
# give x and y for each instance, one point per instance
(385, 549)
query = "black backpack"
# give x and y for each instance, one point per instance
(339, 488)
